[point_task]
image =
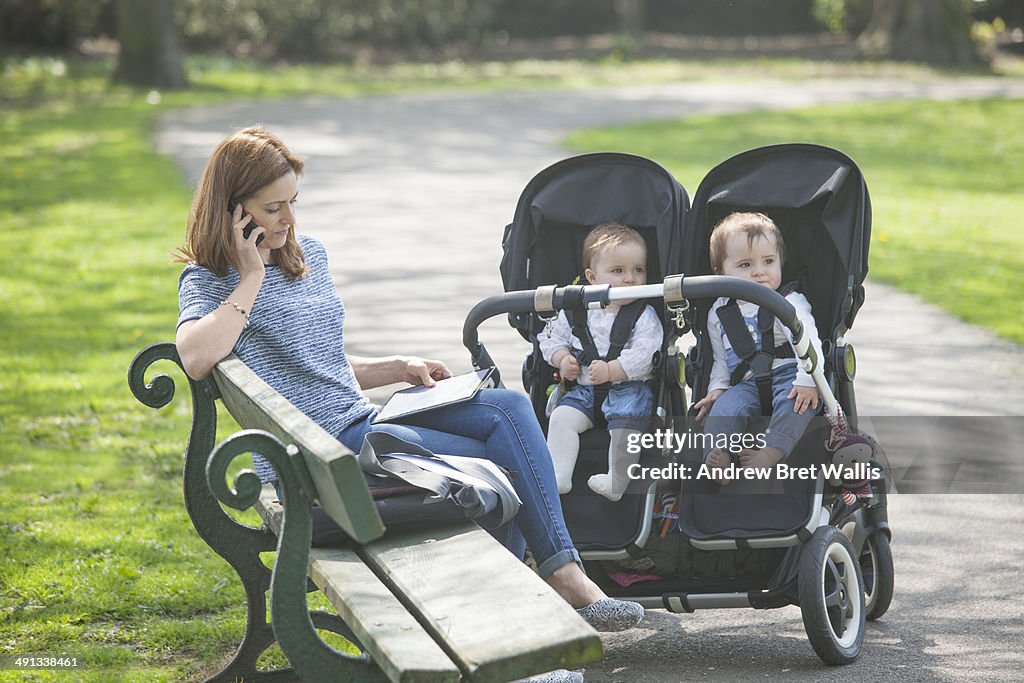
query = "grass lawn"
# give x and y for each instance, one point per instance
(97, 556)
(946, 183)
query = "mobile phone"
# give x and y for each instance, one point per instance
(247, 230)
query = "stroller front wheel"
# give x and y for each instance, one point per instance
(832, 596)
(876, 568)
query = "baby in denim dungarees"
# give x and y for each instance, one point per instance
(749, 246)
(616, 255)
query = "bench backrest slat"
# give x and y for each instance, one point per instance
(341, 489)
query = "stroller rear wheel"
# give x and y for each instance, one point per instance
(832, 596)
(877, 570)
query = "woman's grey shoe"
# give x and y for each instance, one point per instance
(609, 615)
(556, 676)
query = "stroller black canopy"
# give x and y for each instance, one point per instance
(563, 202)
(818, 198)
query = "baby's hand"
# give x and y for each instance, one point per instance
(703, 406)
(599, 373)
(806, 397)
(569, 367)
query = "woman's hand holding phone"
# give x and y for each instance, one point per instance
(249, 227)
(247, 258)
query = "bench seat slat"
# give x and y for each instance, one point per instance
(397, 643)
(509, 626)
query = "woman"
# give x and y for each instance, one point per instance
(273, 303)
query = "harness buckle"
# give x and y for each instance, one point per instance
(761, 364)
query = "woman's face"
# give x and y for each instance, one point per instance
(273, 208)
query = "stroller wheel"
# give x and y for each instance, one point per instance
(832, 596)
(877, 569)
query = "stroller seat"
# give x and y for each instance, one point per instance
(755, 513)
(543, 246)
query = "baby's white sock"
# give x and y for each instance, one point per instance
(564, 431)
(614, 484)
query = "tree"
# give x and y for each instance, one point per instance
(150, 54)
(631, 15)
(933, 31)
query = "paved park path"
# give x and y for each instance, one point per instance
(410, 195)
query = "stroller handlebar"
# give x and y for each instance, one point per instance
(715, 286)
(552, 299)
(675, 290)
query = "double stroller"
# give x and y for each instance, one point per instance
(683, 543)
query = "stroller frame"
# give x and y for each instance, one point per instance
(836, 564)
(828, 588)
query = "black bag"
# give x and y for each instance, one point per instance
(414, 487)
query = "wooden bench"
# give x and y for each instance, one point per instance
(444, 604)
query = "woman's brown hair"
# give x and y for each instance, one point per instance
(241, 165)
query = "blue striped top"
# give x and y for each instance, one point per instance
(294, 339)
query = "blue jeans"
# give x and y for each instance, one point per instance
(740, 405)
(499, 425)
(629, 405)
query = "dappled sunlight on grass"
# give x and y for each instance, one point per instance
(91, 479)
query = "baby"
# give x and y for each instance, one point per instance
(615, 255)
(750, 246)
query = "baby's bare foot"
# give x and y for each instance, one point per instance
(766, 457)
(720, 460)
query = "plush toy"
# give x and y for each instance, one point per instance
(667, 508)
(856, 448)
(849, 450)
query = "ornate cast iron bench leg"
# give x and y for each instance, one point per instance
(311, 658)
(238, 544)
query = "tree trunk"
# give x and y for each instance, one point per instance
(150, 53)
(932, 31)
(631, 15)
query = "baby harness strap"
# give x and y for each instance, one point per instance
(622, 328)
(759, 361)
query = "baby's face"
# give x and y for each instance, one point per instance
(759, 261)
(619, 266)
